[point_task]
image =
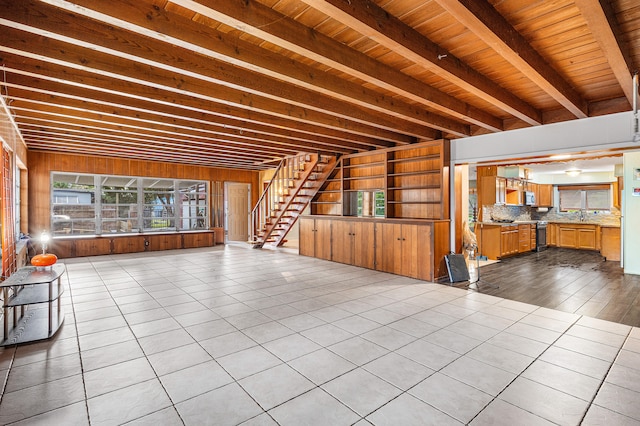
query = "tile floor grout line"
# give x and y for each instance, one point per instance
(604, 378)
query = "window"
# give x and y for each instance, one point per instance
(585, 197)
(370, 203)
(98, 204)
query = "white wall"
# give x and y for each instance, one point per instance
(631, 218)
(588, 134)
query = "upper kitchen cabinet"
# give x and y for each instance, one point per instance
(493, 190)
(544, 196)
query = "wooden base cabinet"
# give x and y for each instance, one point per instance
(315, 237)
(410, 249)
(404, 250)
(578, 236)
(353, 243)
(610, 242)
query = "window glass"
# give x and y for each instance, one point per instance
(159, 213)
(119, 204)
(73, 205)
(193, 202)
(98, 204)
(597, 200)
(570, 199)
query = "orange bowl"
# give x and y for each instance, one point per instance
(46, 259)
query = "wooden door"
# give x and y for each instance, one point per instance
(587, 238)
(342, 242)
(307, 232)
(567, 237)
(237, 212)
(363, 244)
(323, 239)
(128, 244)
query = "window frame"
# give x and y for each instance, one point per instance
(136, 219)
(584, 191)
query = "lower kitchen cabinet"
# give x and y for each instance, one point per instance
(510, 241)
(610, 243)
(578, 236)
(497, 241)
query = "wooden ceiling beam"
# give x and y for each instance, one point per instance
(263, 68)
(142, 97)
(206, 146)
(375, 23)
(265, 23)
(480, 17)
(116, 107)
(135, 78)
(603, 25)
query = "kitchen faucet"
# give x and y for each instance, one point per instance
(582, 215)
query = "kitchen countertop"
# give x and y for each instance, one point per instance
(573, 222)
(515, 222)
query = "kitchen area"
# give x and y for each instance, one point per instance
(571, 204)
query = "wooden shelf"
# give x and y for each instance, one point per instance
(364, 177)
(412, 159)
(409, 188)
(355, 166)
(414, 202)
(419, 172)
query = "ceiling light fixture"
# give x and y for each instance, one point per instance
(573, 172)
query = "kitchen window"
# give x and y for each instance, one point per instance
(585, 197)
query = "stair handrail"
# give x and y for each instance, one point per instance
(254, 215)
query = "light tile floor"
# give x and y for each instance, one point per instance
(230, 335)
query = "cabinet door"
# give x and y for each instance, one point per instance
(128, 244)
(341, 242)
(505, 242)
(417, 251)
(363, 244)
(501, 191)
(388, 247)
(93, 247)
(307, 232)
(587, 238)
(567, 237)
(323, 239)
(545, 195)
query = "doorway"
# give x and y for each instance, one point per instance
(237, 211)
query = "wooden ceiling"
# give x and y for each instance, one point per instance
(241, 83)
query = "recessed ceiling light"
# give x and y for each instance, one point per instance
(560, 157)
(573, 172)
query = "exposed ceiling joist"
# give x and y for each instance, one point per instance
(481, 18)
(374, 22)
(601, 19)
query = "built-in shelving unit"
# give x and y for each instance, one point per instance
(412, 178)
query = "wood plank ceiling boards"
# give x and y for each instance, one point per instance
(242, 83)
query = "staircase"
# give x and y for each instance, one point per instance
(294, 183)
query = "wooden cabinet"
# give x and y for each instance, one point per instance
(532, 233)
(197, 240)
(404, 249)
(498, 241)
(352, 242)
(164, 242)
(509, 241)
(315, 237)
(610, 243)
(128, 244)
(578, 236)
(524, 238)
(544, 198)
(92, 247)
(494, 190)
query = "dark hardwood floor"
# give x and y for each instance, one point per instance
(576, 281)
